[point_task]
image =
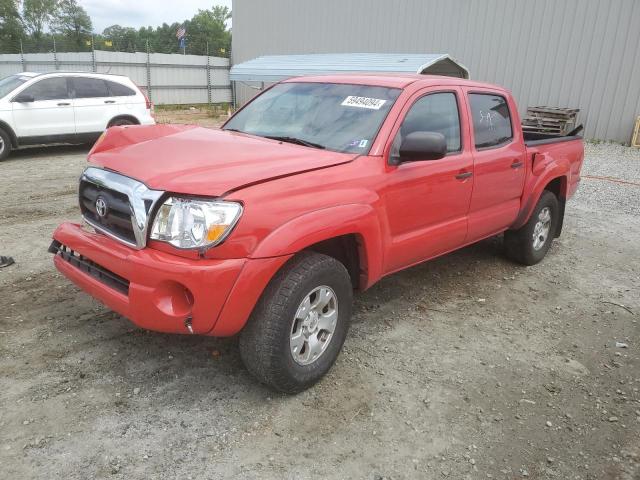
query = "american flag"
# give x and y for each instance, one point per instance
(181, 32)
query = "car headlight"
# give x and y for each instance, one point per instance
(193, 223)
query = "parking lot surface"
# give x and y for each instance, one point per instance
(468, 366)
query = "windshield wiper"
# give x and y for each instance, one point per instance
(297, 141)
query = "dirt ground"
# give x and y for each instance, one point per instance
(466, 367)
(199, 115)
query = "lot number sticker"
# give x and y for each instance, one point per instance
(363, 102)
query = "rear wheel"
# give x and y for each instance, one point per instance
(299, 325)
(5, 145)
(530, 243)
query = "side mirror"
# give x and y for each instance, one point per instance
(423, 146)
(24, 98)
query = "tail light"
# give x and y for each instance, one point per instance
(148, 102)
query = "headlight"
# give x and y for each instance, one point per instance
(191, 223)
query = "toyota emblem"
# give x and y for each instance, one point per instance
(101, 207)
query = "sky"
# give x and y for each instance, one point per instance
(143, 13)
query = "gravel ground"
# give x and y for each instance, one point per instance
(466, 367)
(608, 165)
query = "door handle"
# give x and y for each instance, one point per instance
(464, 175)
(64, 104)
(109, 101)
(516, 164)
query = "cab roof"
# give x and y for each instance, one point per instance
(392, 80)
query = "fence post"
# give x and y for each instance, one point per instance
(24, 64)
(55, 55)
(93, 56)
(208, 76)
(232, 83)
(148, 72)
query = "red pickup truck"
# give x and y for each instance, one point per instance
(318, 187)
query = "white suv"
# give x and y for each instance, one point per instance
(61, 107)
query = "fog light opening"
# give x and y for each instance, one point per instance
(174, 299)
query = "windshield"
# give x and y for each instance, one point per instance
(338, 117)
(9, 84)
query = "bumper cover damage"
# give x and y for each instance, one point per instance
(155, 290)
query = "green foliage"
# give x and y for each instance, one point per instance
(10, 24)
(42, 21)
(209, 26)
(206, 27)
(121, 39)
(72, 22)
(36, 16)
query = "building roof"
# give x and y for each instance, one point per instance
(273, 68)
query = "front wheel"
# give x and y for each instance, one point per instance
(5, 145)
(530, 243)
(297, 329)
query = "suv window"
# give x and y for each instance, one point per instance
(90, 87)
(49, 89)
(119, 90)
(435, 112)
(491, 119)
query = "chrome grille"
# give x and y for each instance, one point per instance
(116, 205)
(117, 218)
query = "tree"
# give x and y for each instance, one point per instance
(47, 20)
(161, 39)
(72, 21)
(10, 26)
(209, 26)
(37, 15)
(123, 39)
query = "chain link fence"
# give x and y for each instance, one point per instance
(49, 43)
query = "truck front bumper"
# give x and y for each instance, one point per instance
(157, 290)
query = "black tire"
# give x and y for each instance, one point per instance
(265, 340)
(121, 122)
(5, 145)
(520, 245)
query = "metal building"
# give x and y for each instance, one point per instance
(571, 53)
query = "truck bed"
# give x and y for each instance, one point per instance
(532, 139)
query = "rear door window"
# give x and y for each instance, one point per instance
(119, 90)
(90, 87)
(491, 120)
(49, 89)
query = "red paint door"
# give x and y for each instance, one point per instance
(426, 202)
(499, 167)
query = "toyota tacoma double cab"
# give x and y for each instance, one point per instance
(318, 187)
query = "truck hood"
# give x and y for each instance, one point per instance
(200, 161)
